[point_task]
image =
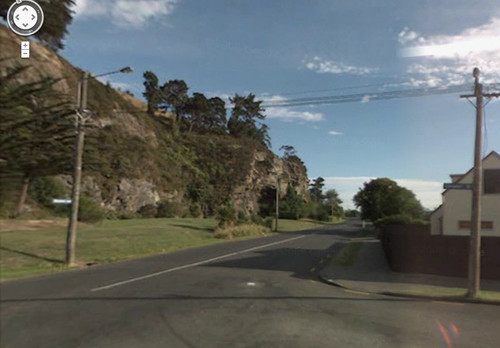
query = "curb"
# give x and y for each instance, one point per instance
(409, 296)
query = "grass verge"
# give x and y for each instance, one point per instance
(37, 247)
(32, 251)
(285, 225)
(348, 255)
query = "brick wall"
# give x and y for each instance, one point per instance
(412, 249)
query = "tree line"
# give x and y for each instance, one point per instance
(197, 113)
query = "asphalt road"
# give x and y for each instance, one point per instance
(255, 293)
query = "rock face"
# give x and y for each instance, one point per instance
(132, 194)
(139, 161)
(265, 170)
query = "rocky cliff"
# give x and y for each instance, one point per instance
(132, 160)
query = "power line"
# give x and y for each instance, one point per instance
(369, 96)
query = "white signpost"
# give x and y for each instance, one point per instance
(456, 186)
(61, 201)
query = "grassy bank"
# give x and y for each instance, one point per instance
(36, 247)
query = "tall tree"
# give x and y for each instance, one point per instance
(151, 92)
(175, 97)
(291, 205)
(333, 201)
(316, 189)
(198, 111)
(58, 14)
(217, 121)
(36, 129)
(245, 119)
(383, 197)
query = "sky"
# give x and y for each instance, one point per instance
(286, 49)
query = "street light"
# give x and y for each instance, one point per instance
(82, 116)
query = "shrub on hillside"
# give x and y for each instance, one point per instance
(90, 211)
(170, 210)
(246, 230)
(147, 211)
(43, 189)
(226, 214)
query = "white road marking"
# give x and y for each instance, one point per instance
(251, 284)
(192, 264)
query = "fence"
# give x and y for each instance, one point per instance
(412, 249)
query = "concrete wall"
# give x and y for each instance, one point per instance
(412, 249)
(437, 221)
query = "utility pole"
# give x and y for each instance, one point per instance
(277, 203)
(474, 266)
(81, 118)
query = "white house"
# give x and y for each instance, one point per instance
(453, 217)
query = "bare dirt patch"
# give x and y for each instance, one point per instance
(12, 224)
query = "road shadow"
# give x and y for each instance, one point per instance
(190, 227)
(48, 259)
(300, 262)
(371, 272)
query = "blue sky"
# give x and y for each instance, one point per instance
(285, 49)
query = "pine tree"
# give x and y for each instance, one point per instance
(36, 132)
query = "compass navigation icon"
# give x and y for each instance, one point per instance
(25, 17)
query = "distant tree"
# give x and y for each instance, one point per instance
(58, 14)
(383, 197)
(316, 189)
(352, 213)
(292, 205)
(333, 201)
(288, 151)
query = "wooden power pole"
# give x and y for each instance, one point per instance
(81, 118)
(277, 203)
(474, 266)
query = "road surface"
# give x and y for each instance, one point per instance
(256, 293)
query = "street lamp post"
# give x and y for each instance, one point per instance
(82, 116)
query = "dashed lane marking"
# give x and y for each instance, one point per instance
(356, 292)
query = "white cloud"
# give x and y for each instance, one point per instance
(407, 35)
(286, 114)
(125, 13)
(334, 133)
(365, 99)
(427, 192)
(323, 66)
(449, 59)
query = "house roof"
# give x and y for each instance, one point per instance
(436, 210)
(491, 154)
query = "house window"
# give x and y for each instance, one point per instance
(466, 225)
(491, 179)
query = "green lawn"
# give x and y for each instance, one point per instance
(303, 224)
(31, 251)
